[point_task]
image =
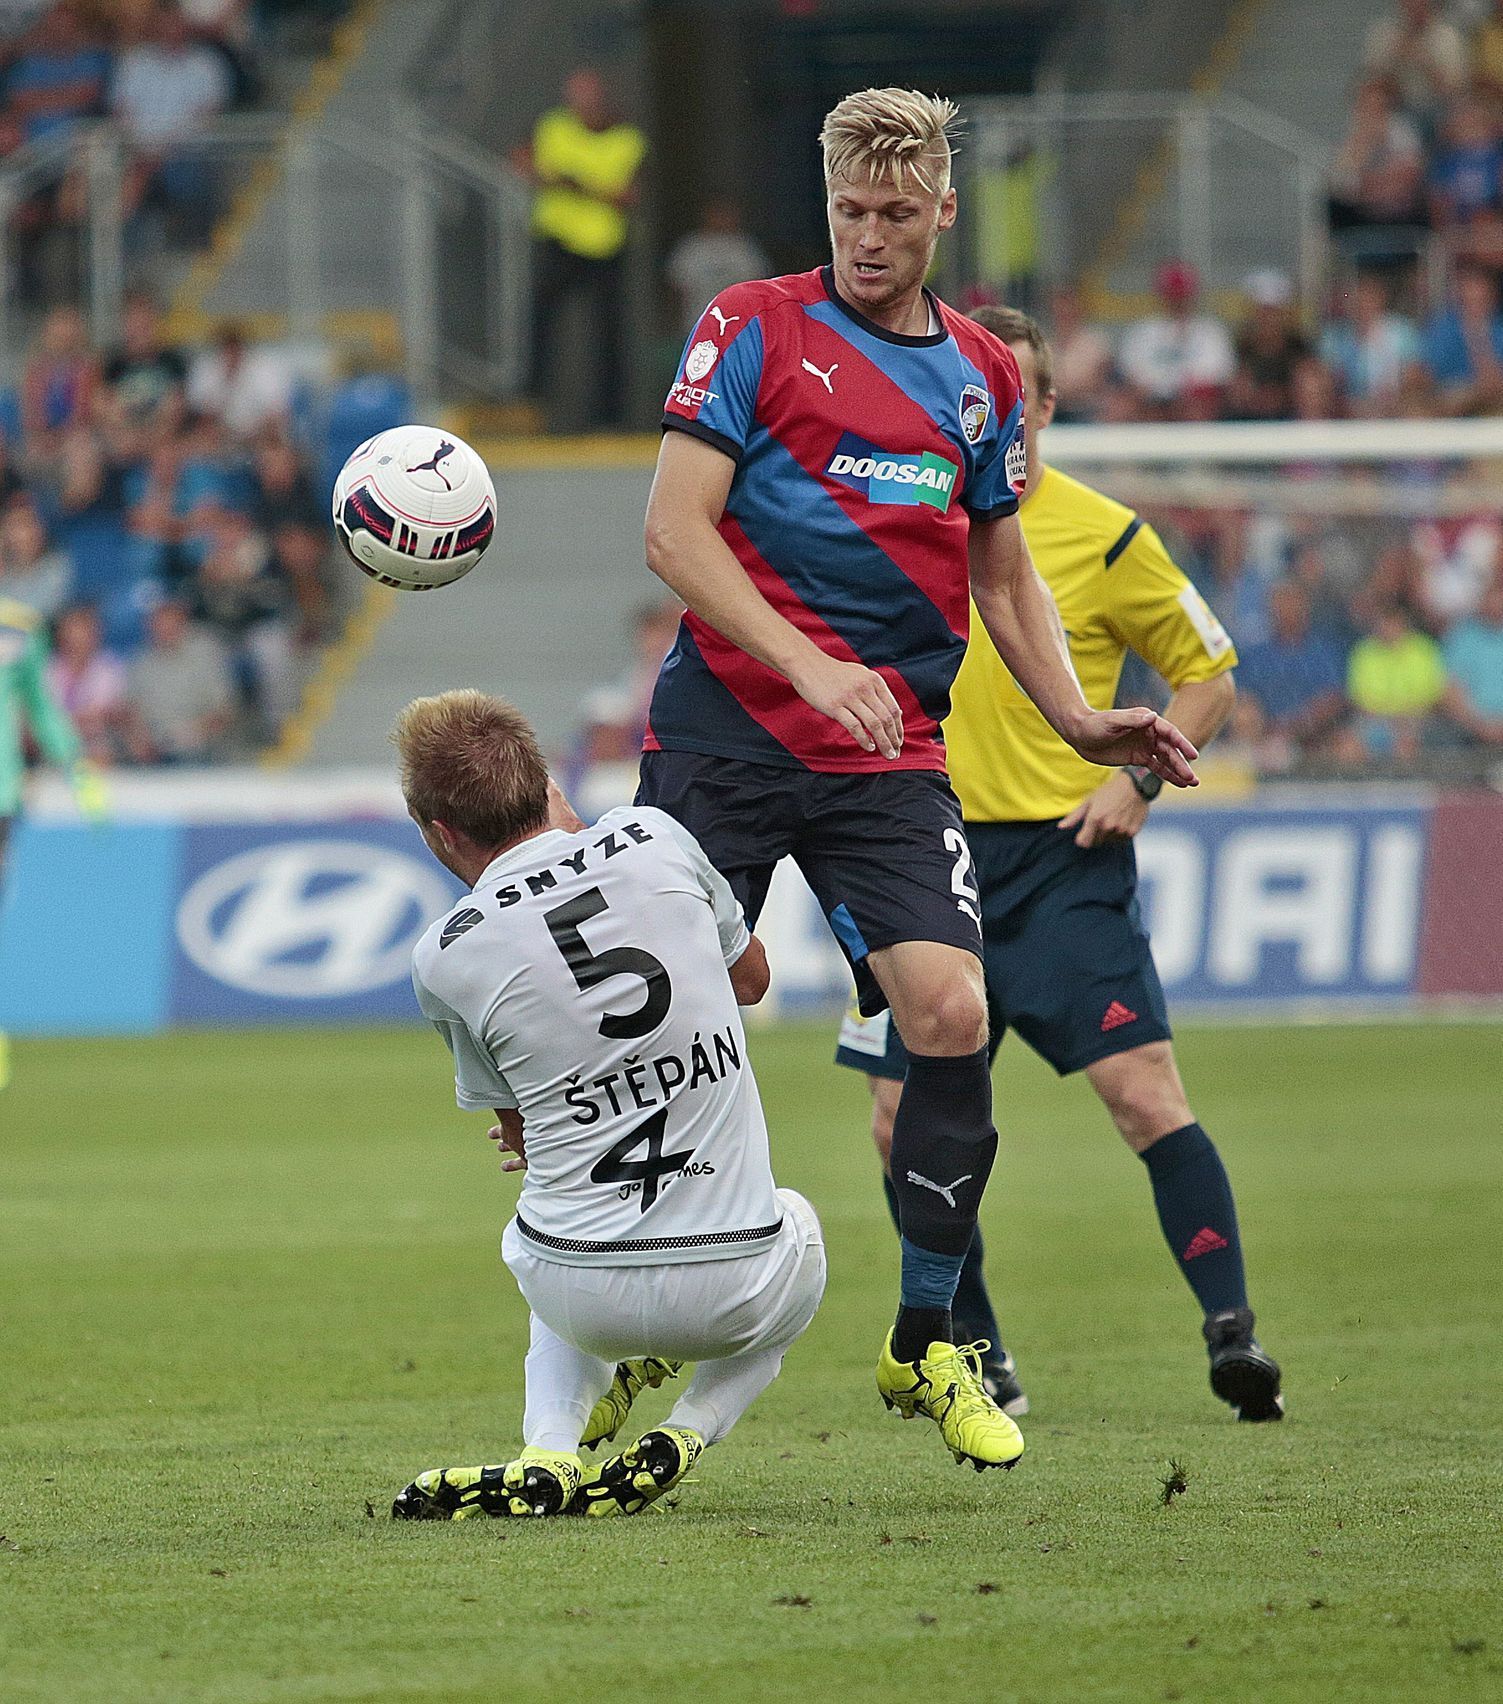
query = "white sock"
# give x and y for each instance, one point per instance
(563, 1386)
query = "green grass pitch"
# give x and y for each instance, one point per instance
(249, 1286)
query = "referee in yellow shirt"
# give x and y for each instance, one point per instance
(1068, 964)
(583, 161)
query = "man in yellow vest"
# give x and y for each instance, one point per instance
(583, 160)
(1053, 873)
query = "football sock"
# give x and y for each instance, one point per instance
(1194, 1199)
(972, 1306)
(943, 1146)
(918, 1327)
(563, 1386)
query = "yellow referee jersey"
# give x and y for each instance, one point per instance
(1116, 588)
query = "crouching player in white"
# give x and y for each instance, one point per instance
(588, 989)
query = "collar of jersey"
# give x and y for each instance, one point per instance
(524, 852)
(872, 329)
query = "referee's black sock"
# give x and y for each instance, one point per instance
(972, 1306)
(943, 1146)
(1194, 1199)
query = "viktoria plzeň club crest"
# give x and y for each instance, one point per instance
(975, 411)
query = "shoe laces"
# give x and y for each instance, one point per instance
(970, 1393)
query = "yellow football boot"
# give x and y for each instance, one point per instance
(946, 1386)
(632, 1378)
(627, 1483)
(538, 1482)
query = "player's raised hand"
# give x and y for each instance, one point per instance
(1138, 736)
(855, 696)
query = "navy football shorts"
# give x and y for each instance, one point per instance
(885, 854)
(1067, 960)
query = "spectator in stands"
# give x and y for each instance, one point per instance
(58, 383)
(1082, 357)
(1458, 557)
(144, 378)
(179, 692)
(1423, 54)
(290, 514)
(228, 27)
(1487, 51)
(247, 387)
(1378, 173)
(58, 79)
(583, 160)
(34, 571)
(616, 715)
(239, 596)
(1374, 352)
(1178, 361)
(1464, 345)
(367, 401)
(1270, 345)
(1396, 677)
(11, 482)
(1290, 686)
(17, 16)
(89, 682)
(166, 88)
(601, 770)
(1465, 181)
(717, 253)
(1473, 655)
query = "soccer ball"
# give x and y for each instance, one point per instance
(415, 508)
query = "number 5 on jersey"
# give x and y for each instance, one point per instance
(590, 968)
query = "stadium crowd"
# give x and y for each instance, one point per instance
(160, 505)
(156, 509)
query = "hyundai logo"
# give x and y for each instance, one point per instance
(309, 919)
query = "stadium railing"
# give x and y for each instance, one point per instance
(333, 232)
(1063, 187)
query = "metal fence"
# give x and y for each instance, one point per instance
(1098, 188)
(397, 237)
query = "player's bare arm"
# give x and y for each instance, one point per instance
(686, 552)
(1117, 810)
(1021, 616)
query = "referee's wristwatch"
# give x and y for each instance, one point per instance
(1148, 784)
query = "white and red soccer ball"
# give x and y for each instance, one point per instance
(415, 508)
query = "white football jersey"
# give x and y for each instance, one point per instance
(584, 983)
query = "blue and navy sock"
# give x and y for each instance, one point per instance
(943, 1148)
(972, 1307)
(1194, 1199)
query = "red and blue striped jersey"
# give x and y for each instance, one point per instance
(861, 459)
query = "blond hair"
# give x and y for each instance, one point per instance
(473, 763)
(894, 135)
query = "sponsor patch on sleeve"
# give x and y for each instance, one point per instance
(1213, 635)
(1016, 464)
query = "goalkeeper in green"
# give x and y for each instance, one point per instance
(26, 702)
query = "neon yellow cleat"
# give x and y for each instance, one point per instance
(627, 1483)
(946, 1386)
(632, 1378)
(538, 1482)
